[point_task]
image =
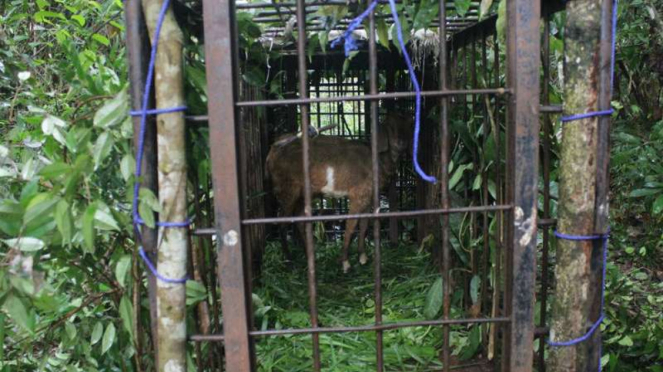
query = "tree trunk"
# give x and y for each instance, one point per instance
(172, 243)
(577, 188)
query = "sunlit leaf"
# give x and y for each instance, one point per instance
(97, 332)
(112, 112)
(25, 244)
(109, 338)
(64, 220)
(434, 299)
(19, 314)
(127, 315)
(122, 268)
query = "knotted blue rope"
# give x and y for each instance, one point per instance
(350, 45)
(143, 112)
(598, 322)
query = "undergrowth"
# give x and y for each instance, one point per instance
(281, 302)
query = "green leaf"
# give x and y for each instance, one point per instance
(434, 299)
(54, 170)
(88, 227)
(64, 220)
(644, 192)
(127, 315)
(71, 330)
(39, 207)
(121, 269)
(147, 196)
(657, 207)
(383, 33)
(102, 148)
(113, 112)
(195, 292)
(25, 244)
(19, 314)
(474, 341)
(147, 214)
(97, 331)
(103, 218)
(455, 178)
(474, 288)
(78, 18)
(462, 6)
(626, 341)
(101, 39)
(109, 338)
(255, 76)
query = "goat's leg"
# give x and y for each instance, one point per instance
(363, 227)
(347, 239)
(357, 205)
(288, 207)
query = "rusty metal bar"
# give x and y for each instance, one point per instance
(547, 131)
(138, 48)
(304, 110)
(401, 214)
(373, 97)
(473, 6)
(485, 254)
(523, 63)
(365, 328)
(444, 190)
(222, 72)
(373, 78)
(550, 109)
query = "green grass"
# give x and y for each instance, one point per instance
(281, 302)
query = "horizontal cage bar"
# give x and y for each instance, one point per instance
(374, 97)
(365, 328)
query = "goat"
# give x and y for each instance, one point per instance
(338, 168)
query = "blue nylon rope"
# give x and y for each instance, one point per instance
(137, 221)
(350, 44)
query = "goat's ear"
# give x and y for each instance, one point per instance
(383, 138)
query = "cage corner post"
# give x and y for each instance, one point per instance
(523, 80)
(222, 71)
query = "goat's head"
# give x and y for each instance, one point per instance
(395, 135)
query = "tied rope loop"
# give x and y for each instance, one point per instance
(154, 271)
(143, 112)
(598, 322)
(350, 44)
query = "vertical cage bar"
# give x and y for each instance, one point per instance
(444, 187)
(221, 55)
(373, 78)
(138, 47)
(310, 249)
(523, 62)
(485, 255)
(497, 291)
(546, 143)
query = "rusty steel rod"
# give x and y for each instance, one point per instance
(373, 78)
(444, 192)
(374, 97)
(364, 328)
(310, 248)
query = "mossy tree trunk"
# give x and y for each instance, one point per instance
(574, 300)
(172, 243)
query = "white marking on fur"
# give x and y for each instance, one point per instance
(363, 259)
(328, 189)
(346, 266)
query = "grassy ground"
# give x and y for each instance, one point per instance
(348, 299)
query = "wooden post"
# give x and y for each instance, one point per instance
(577, 260)
(172, 243)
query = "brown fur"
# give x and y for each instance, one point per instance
(352, 172)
